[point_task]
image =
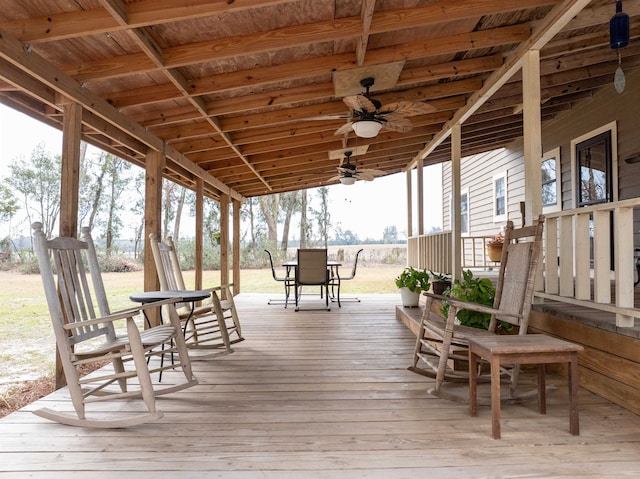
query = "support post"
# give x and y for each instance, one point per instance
(199, 231)
(154, 165)
(456, 223)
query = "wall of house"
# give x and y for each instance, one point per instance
(478, 180)
(604, 107)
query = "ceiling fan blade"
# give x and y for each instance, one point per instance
(359, 102)
(396, 123)
(334, 178)
(344, 129)
(373, 172)
(407, 108)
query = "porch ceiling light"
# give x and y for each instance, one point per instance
(366, 128)
(347, 180)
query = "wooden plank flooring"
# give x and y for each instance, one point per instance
(319, 394)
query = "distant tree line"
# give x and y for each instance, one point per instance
(111, 199)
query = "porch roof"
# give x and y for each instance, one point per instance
(306, 397)
(231, 91)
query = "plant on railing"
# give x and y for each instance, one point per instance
(497, 239)
(473, 290)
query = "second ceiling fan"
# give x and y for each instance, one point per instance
(349, 173)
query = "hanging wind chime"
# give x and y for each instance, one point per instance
(619, 38)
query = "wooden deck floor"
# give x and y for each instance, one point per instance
(319, 394)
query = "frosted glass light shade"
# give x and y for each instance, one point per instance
(347, 180)
(366, 128)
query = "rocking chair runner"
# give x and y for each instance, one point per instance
(214, 325)
(85, 335)
(440, 340)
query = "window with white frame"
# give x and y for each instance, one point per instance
(551, 181)
(464, 211)
(500, 197)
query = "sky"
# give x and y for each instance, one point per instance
(366, 208)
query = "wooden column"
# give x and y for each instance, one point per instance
(70, 179)
(224, 239)
(69, 189)
(236, 246)
(532, 135)
(420, 171)
(152, 220)
(409, 206)
(198, 232)
(456, 224)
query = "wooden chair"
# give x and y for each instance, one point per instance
(212, 326)
(441, 341)
(85, 331)
(336, 280)
(288, 282)
(311, 270)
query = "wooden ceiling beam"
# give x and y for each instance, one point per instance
(408, 77)
(138, 14)
(226, 48)
(561, 14)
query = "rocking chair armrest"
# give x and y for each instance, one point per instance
(122, 314)
(221, 287)
(460, 304)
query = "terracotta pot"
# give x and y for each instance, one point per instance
(494, 252)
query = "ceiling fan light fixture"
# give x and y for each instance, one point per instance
(366, 128)
(347, 180)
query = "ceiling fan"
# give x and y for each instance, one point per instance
(348, 172)
(369, 116)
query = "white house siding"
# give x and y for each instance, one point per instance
(605, 107)
(477, 174)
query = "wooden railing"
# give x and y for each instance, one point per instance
(586, 252)
(433, 252)
(579, 266)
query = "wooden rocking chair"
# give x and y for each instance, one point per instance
(212, 326)
(86, 334)
(440, 341)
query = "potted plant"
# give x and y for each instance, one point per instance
(215, 236)
(412, 282)
(474, 290)
(439, 282)
(494, 247)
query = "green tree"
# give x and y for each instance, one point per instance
(118, 183)
(38, 183)
(390, 235)
(8, 203)
(323, 218)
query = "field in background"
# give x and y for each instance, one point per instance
(27, 345)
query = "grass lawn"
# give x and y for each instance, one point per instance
(27, 345)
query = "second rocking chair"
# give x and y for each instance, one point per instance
(212, 326)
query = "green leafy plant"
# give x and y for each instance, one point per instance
(439, 277)
(473, 290)
(414, 279)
